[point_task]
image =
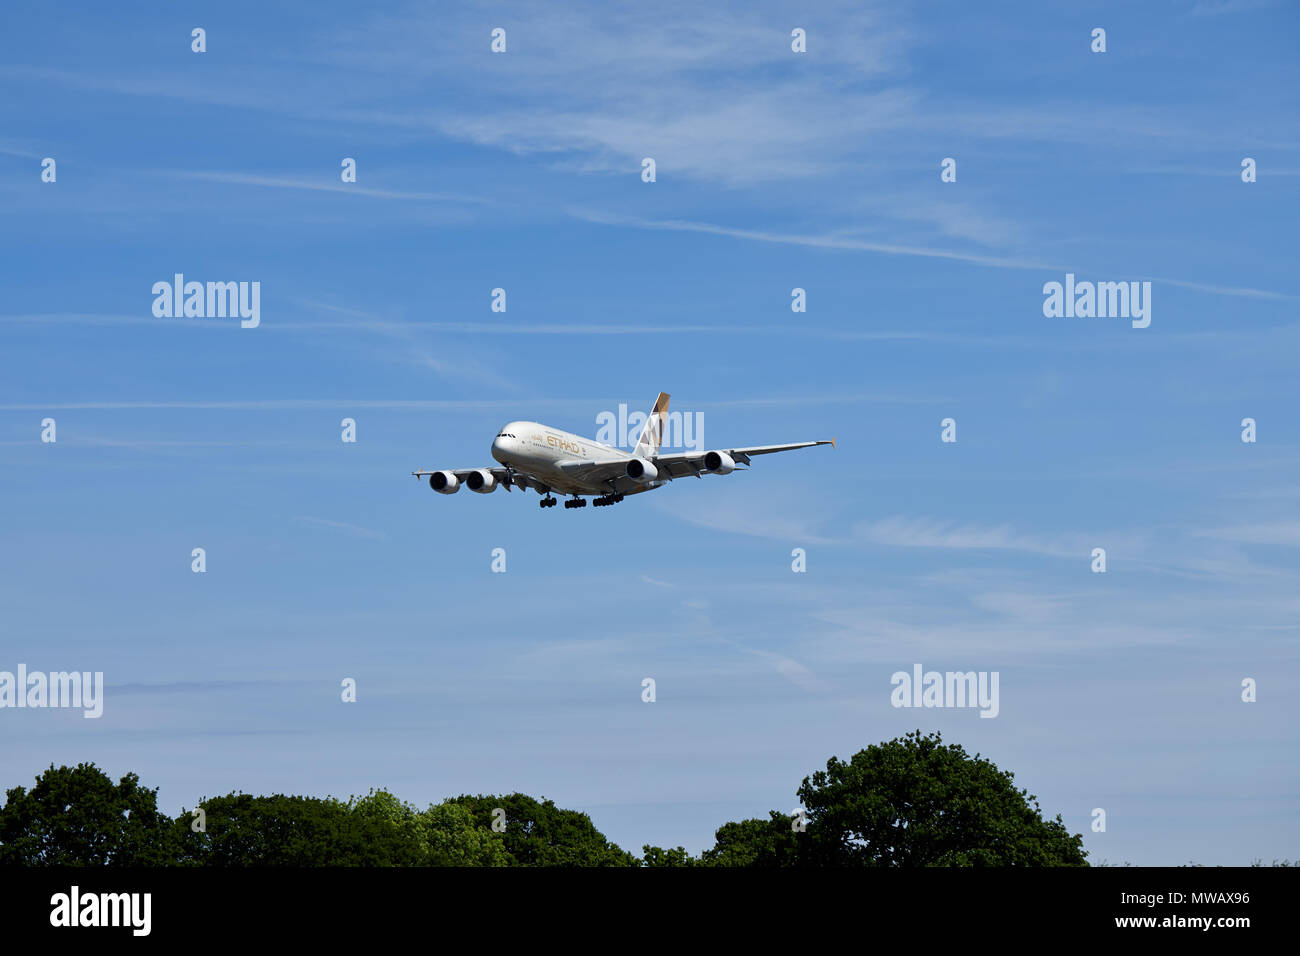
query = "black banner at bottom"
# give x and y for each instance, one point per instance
(334, 905)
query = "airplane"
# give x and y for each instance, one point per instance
(550, 461)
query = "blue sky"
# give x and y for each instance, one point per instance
(775, 170)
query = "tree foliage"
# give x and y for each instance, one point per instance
(658, 856)
(375, 830)
(912, 801)
(279, 830)
(77, 816)
(757, 843)
(915, 801)
(538, 833)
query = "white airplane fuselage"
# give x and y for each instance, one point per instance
(535, 449)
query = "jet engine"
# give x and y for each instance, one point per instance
(444, 482)
(719, 463)
(481, 481)
(638, 469)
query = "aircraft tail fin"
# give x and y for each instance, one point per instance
(647, 446)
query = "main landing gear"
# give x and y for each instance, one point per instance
(550, 501)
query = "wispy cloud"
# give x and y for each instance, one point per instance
(796, 526)
(814, 241)
(1213, 8)
(791, 670)
(417, 348)
(321, 185)
(584, 404)
(110, 318)
(907, 532)
(860, 245)
(541, 328)
(738, 514)
(202, 686)
(9, 150)
(1278, 532)
(708, 91)
(352, 529)
(160, 443)
(293, 403)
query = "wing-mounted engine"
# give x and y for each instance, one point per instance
(481, 481)
(444, 482)
(642, 471)
(719, 463)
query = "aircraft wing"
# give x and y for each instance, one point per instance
(676, 465)
(742, 455)
(685, 464)
(502, 475)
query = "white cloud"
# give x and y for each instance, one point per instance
(813, 240)
(792, 670)
(1211, 8)
(834, 241)
(352, 529)
(321, 185)
(907, 532)
(1278, 532)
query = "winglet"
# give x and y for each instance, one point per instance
(832, 441)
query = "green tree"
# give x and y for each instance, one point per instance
(917, 802)
(456, 839)
(757, 843)
(542, 834)
(375, 830)
(77, 816)
(399, 821)
(445, 834)
(279, 830)
(658, 856)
